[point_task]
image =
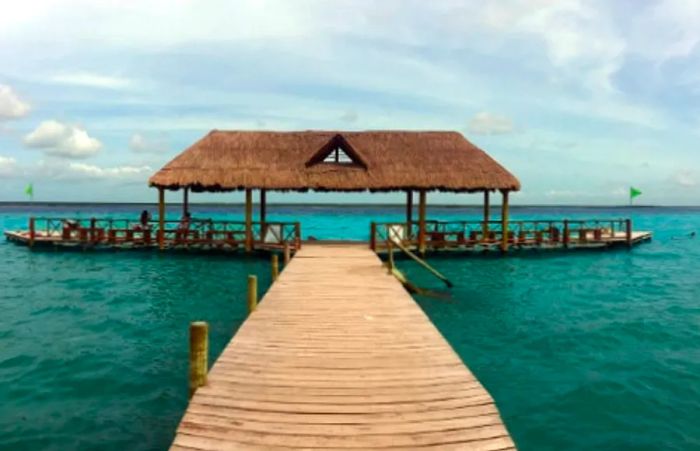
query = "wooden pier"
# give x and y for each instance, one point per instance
(339, 356)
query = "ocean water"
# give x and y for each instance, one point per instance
(581, 350)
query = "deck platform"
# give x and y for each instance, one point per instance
(339, 356)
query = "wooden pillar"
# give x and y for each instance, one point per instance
(504, 221)
(263, 206)
(93, 232)
(567, 233)
(199, 351)
(373, 236)
(421, 221)
(252, 293)
(248, 220)
(409, 213)
(161, 218)
(185, 201)
(487, 214)
(32, 231)
(390, 261)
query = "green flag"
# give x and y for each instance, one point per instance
(29, 191)
(634, 192)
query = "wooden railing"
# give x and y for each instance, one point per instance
(202, 232)
(441, 234)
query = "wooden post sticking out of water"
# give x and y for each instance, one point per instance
(32, 232)
(161, 218)
(275, 267)
(504, 221)
(199, 352)
(628, 232)
(487, 214)
(421, 221)
(566, 233)
(252, 293)
(248, 220)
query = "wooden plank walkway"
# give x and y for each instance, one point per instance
(339, 356)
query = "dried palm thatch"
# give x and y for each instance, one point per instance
(297, 161)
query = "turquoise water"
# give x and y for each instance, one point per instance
(587, 350)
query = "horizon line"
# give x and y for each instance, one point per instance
(335, 204)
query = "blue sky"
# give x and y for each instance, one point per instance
(579, 99)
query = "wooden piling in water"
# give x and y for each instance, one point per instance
(252, 293)
(373, 236)
(32, 232)
(199, 352)
(275, 267)
(504, 221)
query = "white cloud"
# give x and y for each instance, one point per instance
(117, 172)
(685, 178)
(485, 123)
(675, 30)
(11, 106)
(8, 166)
(142, 144)
(92, 80)
(62, 140)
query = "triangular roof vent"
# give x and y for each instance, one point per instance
(337, 151)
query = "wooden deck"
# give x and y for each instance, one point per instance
(339, 356)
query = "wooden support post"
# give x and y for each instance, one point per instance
(504, 221)
(567, 238)
(252, 293)
(628, 232)
(161, 218)
(421, 221)
(199, 353)
(373, 236)
(32, 231)
(275, 266)
(185, 201)
(287, 254)
(390, 262)
(248, 220)
(409, 214)
(487, 215)
(263, 206)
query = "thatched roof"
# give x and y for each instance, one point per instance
(374, 160)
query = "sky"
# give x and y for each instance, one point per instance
(579, 99)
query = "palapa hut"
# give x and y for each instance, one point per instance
(376, 161)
